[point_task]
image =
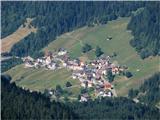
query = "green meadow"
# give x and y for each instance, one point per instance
(40, 79)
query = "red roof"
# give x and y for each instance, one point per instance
(107, 85)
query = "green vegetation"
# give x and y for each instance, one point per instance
(128, 74)
(74, 41)
(149, 91)
(98, 51)
(20, 104)
(69, 16)
(86, 48)
(114, 108)
(82, 43)
(146, 35)
(68, 84)
(132, 93)
(59, 89)
(40, 79)
(37, 106)
(110, 76)
(9, 63)
(119, 44)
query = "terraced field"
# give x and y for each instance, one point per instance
(73, 42)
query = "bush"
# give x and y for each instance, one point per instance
(59, 89)
(132, 93)
(98, 51)
(83, 91)
(110, 76)
(128, 74)
(86, 48)
(68, 84)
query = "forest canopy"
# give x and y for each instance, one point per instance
(69, 16)
(145, 26)
(21, 104)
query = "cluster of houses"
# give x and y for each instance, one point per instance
(51, 61)
(91, 74)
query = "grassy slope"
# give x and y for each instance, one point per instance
(73, 42)
(126, 55)
(40, 79)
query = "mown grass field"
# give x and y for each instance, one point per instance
(40, 79)
(73, 42)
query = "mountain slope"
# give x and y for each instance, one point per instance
(120, 44)
(18, 35)
(21, 104)
(115, 109)
(69, 16)
(145, 27)
(73, 42)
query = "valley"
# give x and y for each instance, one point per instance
(73, 41)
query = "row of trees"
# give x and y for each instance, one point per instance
(145, 28)
(69, 16)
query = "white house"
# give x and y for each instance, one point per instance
(62, 52)
(52, 66)
(83, 99)
(28, 58)
(90, 84)
(109, 94)
(29, 64)
(48, 60)
(74, 76)
(64, 64)
(83, 84)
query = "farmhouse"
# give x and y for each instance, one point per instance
(62, 51)
(29, 64)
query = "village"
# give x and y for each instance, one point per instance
(92, 74)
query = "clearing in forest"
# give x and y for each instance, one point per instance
(19, 34)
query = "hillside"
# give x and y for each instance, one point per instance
(148, 92)
(69, 16)
(40, 79)
(119, 108)
(146, 41)
(39, 107)
(20, 104)
(18, 35)
(73, 41)
(126, 55)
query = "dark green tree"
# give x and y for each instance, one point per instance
(68, 84)
(128, 74)
(98, 51)
(59, 89)
(86, 48)
(110, 76)
(132, 93)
